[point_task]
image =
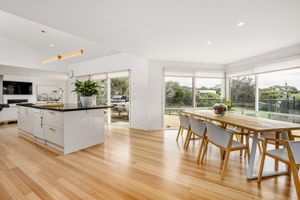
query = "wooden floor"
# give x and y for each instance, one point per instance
(131, 164)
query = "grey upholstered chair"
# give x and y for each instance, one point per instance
(184, 124)
(224, 140)
(289, 154)
(198, 128)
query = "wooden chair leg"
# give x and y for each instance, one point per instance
(189, 139)
(294, 169)
(179, 131)
(289, 171)
(296, 180)
(227, 153)
(222, 154)
(205, 150)
(186, 138)
(200, 150)
(276, 167)
(242, 141)
(262, 163)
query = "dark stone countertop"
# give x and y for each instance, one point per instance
(66, 107)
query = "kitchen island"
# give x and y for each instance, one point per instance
(64, 127)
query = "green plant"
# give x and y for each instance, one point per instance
(228, 103)
(86, 88)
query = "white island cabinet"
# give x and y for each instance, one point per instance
(67, 128)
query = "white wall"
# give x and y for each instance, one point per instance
(16, 54)
(138, 85)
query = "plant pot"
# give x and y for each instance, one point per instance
(87, 101)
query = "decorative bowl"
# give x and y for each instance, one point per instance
(220, 109)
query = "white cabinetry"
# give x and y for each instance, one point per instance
(54, 118)
(38, 126)
(54, 135)
(25, 119)
(8, 114)
(64, 131)
(54, 127)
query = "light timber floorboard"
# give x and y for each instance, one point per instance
(131, 164)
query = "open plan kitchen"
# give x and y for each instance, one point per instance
(48, 121)
(142, 100)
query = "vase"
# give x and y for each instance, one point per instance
(87, 101)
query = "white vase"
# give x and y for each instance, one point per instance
(87, 101)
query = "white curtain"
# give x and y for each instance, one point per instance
(275, 65)
(192, 72)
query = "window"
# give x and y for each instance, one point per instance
(279, 98)
(178, 92)
(178, 95)
(207, 92)
(189, 92)
(101, 98)
(242, 92)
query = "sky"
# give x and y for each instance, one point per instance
(292, 77)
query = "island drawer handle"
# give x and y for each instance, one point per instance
(52, 129)
(52, 113)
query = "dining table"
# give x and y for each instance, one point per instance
(253, 125)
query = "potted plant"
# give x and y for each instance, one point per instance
(87, 91)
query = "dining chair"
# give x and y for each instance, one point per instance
(184, 124)
(242, 135)
(224, 140)
(197, 128)
(289, 154)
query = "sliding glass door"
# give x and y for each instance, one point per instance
(120, 100)
(114, 89)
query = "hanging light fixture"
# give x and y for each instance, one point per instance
(63, 56)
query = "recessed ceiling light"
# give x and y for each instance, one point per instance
(51, 45)
(208, 43)
(241, 24)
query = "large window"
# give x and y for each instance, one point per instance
(207, 92)
(242, 92)
(279, 95)
(178, 92)
(189, 92)
(272, 95)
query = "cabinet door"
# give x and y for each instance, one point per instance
(29, 120)
(38, 130)
(25, 119)
(54, 135)
(21, 118)
(8, 114)
(54, 118)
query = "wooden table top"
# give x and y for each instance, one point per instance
(248, 122)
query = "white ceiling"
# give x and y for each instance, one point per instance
(176, 30)
(29, 33)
